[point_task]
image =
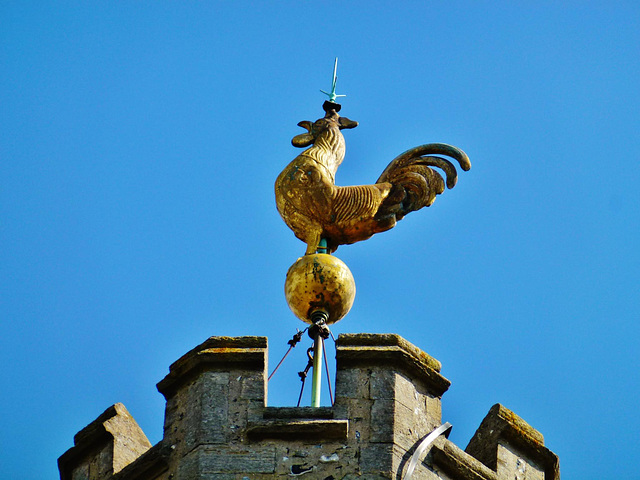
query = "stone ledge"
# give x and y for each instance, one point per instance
(502, 425)
(387, 339)
(208, 462)
(390, 350)
(459, 464)
(298, 412)
(149, 465)
(248, 353)
(309, 431)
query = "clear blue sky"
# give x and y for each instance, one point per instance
(139, 143)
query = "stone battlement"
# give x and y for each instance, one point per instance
(218, 425)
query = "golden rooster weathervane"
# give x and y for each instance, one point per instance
(315, 208)
(319, 287)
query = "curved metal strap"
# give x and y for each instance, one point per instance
(424, 444)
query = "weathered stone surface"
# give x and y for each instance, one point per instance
(353, 383)
(293, 429)
(383, 416)
(511, 460)
(394, 352)
(152, 464)
(104, 447)
(217, 425)
(298, 412)
(244, 353)
(504, 442)
(319, 460)
(377, 458)
(449, 461)
(254, 459)
(377, 340)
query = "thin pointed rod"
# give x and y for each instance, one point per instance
(332, 95)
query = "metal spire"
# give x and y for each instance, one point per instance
(332, 96)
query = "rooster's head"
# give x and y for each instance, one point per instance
(330, 121)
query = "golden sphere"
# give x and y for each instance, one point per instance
(319, 282)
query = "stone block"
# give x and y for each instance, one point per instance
(433, 409)
(383, 384)
(254, 459)
(198, 412)
(317, 461)
(213, 391)
(507, 444)
(245, 354)
(514, 465)
(209, 409)
(410, 426)
(377, 458)
(383, 413)
(313, 430)
(359, 415)
(391, 352)
(104, 447)
(207, 461)
(252, 386)
(352, 383)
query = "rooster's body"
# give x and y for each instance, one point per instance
(314, 207)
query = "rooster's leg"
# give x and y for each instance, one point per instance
(312, 241)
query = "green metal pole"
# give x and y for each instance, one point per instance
(318, 344)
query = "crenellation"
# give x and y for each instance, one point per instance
(104, 447)
(218, 426)
(505, 443)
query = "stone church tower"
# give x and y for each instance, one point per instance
(388, 400)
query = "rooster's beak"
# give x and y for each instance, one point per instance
(302, 140)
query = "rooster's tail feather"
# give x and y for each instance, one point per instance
(411, 171)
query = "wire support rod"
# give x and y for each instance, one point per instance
(304, 373)
(292, 343)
